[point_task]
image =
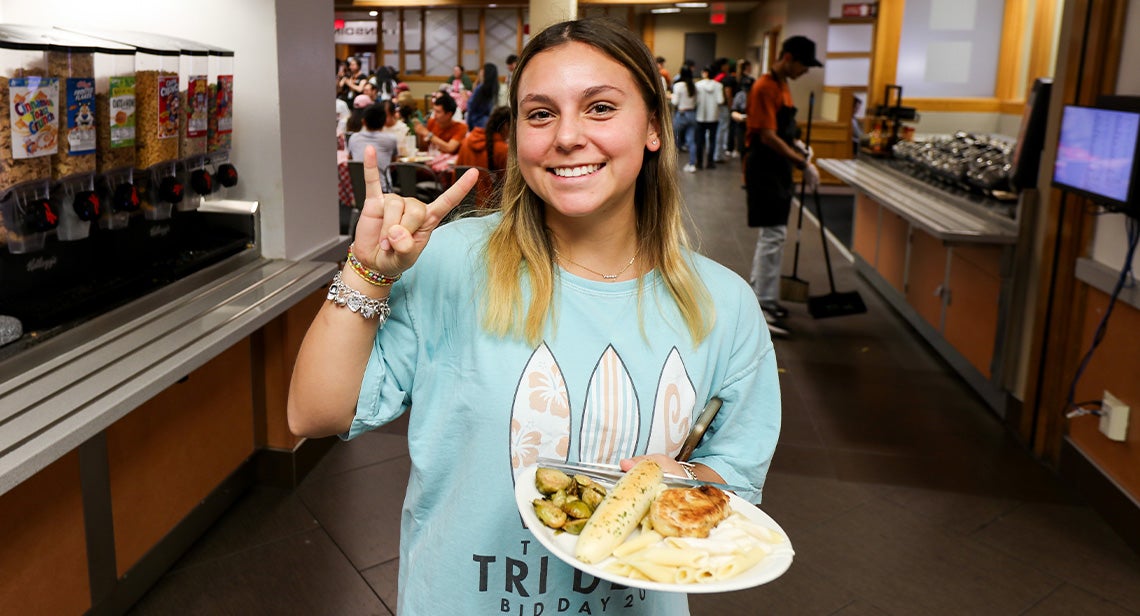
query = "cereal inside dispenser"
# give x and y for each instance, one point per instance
(29, 137)
(222, 119)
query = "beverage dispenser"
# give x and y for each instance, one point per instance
(29, 137)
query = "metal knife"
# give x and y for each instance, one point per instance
(614, 472)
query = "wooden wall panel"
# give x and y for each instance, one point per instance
(892, 249)
(43, 558)
(1113, 367)
(971, 317)
(171, 452)
(865, 235)
(281, 343)
(927, 274)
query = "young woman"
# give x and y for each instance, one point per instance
(483, 98)
(574, 323)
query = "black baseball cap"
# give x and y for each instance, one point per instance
(802, 49)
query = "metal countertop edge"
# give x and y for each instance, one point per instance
(939, 215)
(137, 376)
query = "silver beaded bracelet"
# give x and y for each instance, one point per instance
(347, 297)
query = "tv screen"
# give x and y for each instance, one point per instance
(1096, 154)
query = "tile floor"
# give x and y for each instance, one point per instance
(901, 491)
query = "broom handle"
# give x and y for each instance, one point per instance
(803, 191)
(823, 239)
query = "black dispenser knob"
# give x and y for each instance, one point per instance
(202, 182)
(86, 205)
(227, 175)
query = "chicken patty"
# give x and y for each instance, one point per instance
(688, 512)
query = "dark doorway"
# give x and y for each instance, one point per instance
(700, 47)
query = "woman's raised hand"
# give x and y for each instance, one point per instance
(393, 230)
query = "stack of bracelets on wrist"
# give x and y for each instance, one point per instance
(370, 275)
(345, 296)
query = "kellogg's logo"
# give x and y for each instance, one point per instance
(42, 263)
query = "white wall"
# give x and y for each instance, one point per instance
(283, 77)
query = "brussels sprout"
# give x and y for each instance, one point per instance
(577, 509)
(551, 480)
(583, 481)
(593, 495)
(548, 514)
(574, 527)
(559, 498)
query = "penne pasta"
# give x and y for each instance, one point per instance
(673, 557)
(653, 571)
(741, 563)
(640, 542)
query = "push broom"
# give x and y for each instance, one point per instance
(833, 304)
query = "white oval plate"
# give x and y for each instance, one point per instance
(562, 545)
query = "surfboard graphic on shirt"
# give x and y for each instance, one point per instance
(610, 425)
(611, 418)
(540, 415)
(672, 408)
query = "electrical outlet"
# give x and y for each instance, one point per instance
(1113, 417)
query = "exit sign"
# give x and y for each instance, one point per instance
(859, 9)
(716, 13)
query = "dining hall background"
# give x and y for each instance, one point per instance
(81, 547)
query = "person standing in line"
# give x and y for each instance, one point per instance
(772, 153)
(684, 101)
(727, 79)
(504, 336)
(739, 104)
(666, 80)
(484, 97)
(710, 98)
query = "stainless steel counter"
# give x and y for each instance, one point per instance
(61, 392)
(937, 212)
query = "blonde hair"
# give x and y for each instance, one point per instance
(521, 244)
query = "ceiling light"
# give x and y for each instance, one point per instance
(373, 13)
(666, 10)
(692, 5)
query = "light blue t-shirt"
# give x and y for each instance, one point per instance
(603, 385)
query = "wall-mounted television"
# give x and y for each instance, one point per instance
(1097, 153)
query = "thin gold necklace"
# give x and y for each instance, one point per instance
(614, 276)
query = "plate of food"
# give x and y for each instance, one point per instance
(642, 533)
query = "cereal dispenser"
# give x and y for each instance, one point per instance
(220, 136)
(193, 133)
(115, 116)
(72, 60)
(29, 137)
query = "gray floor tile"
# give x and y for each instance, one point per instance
(262, 516)
(383, 579)
(1071, 543)
(903, 565)
(1072, 601)
(360, 509)
(301, 574)
(368, 448)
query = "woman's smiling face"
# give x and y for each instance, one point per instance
(583, 129)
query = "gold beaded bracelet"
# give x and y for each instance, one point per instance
(372, 276)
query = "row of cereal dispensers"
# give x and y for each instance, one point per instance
(101, 127)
